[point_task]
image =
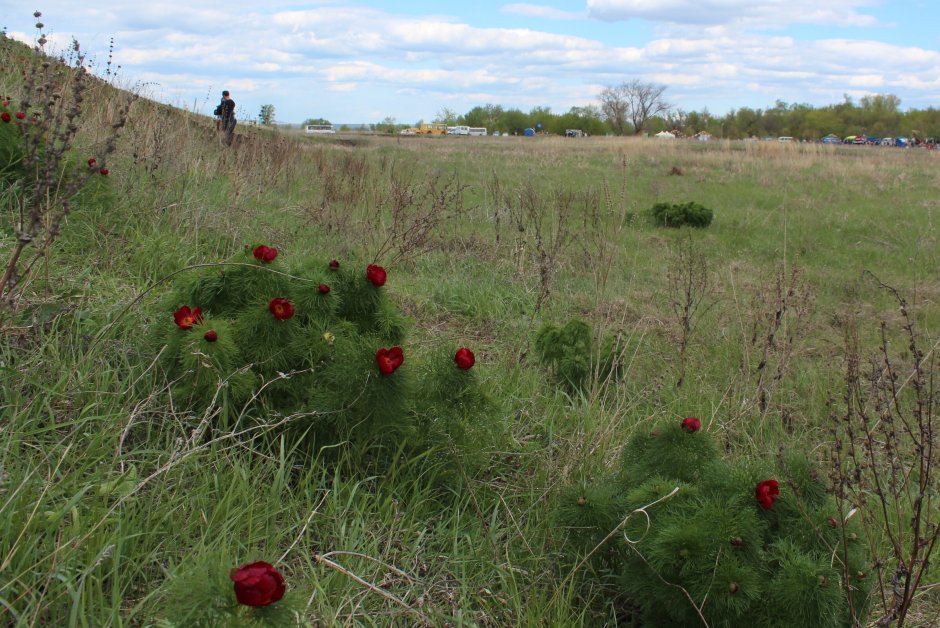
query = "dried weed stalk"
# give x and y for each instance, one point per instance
(886, 459)
(54, 92)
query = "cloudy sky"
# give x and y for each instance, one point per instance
(360, 61)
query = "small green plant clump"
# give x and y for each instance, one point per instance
(689, 214)
(690, 537)
(317, 345)
(573, 356)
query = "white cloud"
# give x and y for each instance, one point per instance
(541, 11)
(767, 13)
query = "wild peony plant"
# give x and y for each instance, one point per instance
(697, 538)
(572, 355)
(318, 343)
(208, 592)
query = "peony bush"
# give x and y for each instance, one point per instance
(317, 342)
(695, 537)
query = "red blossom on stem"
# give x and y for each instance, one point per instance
(258, 584)
(334, 264)
(211, 336)
(376, 275)
(5, 116)
(20, 115)
(691, 424)
(767, 493)
(185, 318)
(323, 288)
(265, 253)
(104, 172)
(282, 309)
(388, 360)
(464, 358)
(91, 162)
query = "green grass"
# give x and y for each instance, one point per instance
(106, 497)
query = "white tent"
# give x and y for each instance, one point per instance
(665, 135)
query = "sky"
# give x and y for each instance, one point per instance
(363, 61)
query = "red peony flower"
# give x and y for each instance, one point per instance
(20, 115)
(265, 253)
(324, 289)
(6, 117)
(691, 424)
(389, 359)
(258, 584)
(376, 275)
(282, 309)
(767, 493)
(464, 358)
(211, 336)
(334, 264)
(91, 162)
(186, 317)
(104, 172)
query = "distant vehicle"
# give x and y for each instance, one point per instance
(529, 132)
(784, 138)
(831, 139)
(902, 142)
(574, 133)
(458, 130)
(433, 128)
(496, 134)
(320, 129)
(408, 131)
(477, 130)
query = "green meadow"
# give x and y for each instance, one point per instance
(113, 494)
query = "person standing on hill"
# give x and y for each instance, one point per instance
(225, 113)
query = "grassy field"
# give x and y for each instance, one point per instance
(109, 492)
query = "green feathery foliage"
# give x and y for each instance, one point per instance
(573, 356)
(697, 542)
(302, 342)
(689, 214)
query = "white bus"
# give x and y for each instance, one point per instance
(459, 130)
(476, 130)
(320, 129)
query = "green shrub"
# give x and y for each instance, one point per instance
(692, 520)
(690, 214)
(317, 342)
(572, 355)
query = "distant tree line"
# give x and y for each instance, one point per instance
(877, 115)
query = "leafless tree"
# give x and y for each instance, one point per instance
(633, 102)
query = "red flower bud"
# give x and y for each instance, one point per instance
(767, 493)
(211, 336)
(282, 309)
(464, 358)
(20, 115)
(323, 288)
(91, 162)
(833, 523)
(258, 584)
(185, 318)
(104, 171)
(265, 253)
(388, 360)
(691, 424)
(334, 264)
(376, 275)
(6, 117)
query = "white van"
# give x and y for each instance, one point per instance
(459, 130)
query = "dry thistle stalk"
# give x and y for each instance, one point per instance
(52, 105)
